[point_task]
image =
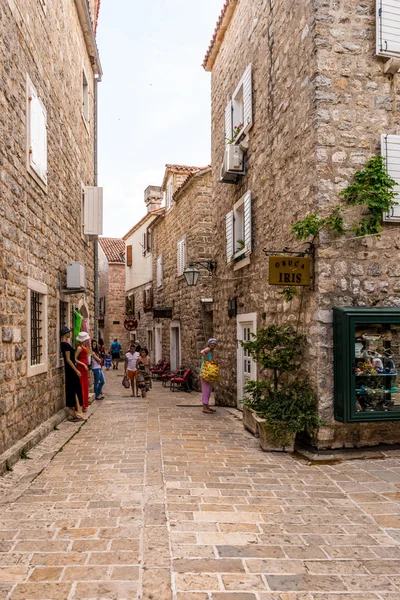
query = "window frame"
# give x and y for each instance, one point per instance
(85, 98)
(41, 289)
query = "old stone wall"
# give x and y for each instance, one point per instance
(40, 226)
(190, 216)
(355, 103)
(320, 103)
(112, 289)
(276, 39)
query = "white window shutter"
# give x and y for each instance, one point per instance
(247, 99)
(228, 122)
(159, 272)
(93, 211)
(247, 221)
(388, 27)
(390, 149)
(181, 256)
(38, 136)
(229, 225)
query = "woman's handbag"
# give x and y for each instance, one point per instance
(125, 382)
(210, 371)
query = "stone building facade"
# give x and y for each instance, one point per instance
(112, 304)
(49, 68)
(305, 81)
(138, 270)
(181, 235)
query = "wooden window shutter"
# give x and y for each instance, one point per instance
(388, 28)
(229, 224)
(247, 99)
(37, 136)
(390, 148)
(144, 299)
(129, 256)
(181, 259)
(228, 122)
(247, 221)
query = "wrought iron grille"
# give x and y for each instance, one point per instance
(36, 328)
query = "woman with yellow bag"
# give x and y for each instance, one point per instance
(209, 373)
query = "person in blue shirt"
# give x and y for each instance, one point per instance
(115, 353)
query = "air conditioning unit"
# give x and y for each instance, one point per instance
(232, 165)
(76, 276)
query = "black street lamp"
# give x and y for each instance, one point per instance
(192, 274)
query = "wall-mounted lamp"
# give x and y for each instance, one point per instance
(192, 274)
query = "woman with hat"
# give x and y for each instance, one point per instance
(73, 390)
(206, 387)
(82, 361)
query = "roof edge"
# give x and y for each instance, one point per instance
(189, 179)
(219, 33)
(153, 213)
(89, 36)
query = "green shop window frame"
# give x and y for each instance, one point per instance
(363, 392)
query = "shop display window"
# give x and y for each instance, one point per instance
(367, 359)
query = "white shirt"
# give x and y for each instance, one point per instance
(132, 359)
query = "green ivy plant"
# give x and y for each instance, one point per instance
(372, 187)
(288, 293)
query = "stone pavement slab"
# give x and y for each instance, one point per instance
(153, 499)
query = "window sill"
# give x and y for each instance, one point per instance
(38, 179)
(242, 263)
(37, 369)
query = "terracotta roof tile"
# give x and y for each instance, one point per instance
(186, 181)
(180, 169)
(114, 249)
(219, 33)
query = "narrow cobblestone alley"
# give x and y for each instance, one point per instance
(158, 501)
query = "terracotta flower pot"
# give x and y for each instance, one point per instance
(251, 421)
(269, 443)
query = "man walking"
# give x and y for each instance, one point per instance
(115, 353)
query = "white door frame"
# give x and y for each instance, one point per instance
(241, 321)
(174, 351)
(158, 343)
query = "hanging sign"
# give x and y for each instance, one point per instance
(289, 271)
(130, 324)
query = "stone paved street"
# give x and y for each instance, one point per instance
(158, 501)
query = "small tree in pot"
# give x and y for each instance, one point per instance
(283, 398)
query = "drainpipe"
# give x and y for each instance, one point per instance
(96, 242)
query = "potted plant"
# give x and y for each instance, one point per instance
(284, 399)
(253, 403)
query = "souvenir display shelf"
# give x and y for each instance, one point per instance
(367, 357)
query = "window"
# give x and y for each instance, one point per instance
(390, 147)
(129, 256)
(148, 240)
(159, 272)
(102, 306)
(130, 305)
(37, 328)
(37, 135)
(85, 97)
(149, 340)
(238, 230)
(181, 256)
(388, 28)
(169, 192)
(239, 110)
(148, 299)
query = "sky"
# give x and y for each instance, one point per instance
(154, 99)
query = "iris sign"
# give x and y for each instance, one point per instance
(289, 271)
